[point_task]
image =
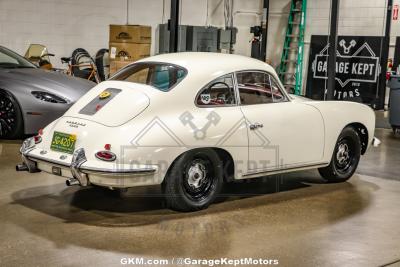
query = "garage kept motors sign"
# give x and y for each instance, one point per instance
(357, 68)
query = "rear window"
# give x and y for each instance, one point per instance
(161, 76)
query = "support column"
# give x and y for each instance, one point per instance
(264, 26)
(173, 24)
(384, 57)
(331, 83)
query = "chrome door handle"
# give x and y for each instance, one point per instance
(256, 125)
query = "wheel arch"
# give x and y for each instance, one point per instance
(362, 132)
(2, 89)
(226, 158)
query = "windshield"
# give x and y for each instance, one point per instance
(36, 53)
(162, 76)
(10, 59)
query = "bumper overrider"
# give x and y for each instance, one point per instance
(85, 175)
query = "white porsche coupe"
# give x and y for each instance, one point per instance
(189, 122)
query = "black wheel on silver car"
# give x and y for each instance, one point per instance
(11, 122)
(193, 181)
(345, 159)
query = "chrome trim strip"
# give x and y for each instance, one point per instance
(118, 171)
(45, 160)
(94, 170)
(285, 169)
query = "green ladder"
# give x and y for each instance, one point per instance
(291, 67)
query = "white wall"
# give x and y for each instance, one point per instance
(60, 25)
(65, 25)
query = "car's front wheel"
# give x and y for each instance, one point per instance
(11, 121)
(193, 181)
(345, 159)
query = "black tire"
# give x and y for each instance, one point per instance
(11, 120)
(194, 180)
(81, 56)
(345, 158)
(100, 63)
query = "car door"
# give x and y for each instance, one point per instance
(282, 134)
(219, 121)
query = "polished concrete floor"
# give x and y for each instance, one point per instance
(296, 219)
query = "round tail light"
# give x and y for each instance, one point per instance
(106, 155)
(37, 139)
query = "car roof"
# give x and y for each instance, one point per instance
(211, 63)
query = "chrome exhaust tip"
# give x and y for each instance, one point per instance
(71, 182)
(21, 167)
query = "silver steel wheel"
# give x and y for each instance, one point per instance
(196, 174)
(342, 155)
(345, 155)
(198, 179)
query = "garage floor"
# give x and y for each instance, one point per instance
(293, 218)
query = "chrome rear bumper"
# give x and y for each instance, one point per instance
(78, 171)
(376, 142)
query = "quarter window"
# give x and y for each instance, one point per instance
(219, 92)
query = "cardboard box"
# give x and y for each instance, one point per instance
(116, 65)
(129, 51)
(130, 34)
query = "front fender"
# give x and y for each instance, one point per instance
(337, 115)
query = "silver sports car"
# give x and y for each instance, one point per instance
(31, 98)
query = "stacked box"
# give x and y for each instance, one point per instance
(128, 43)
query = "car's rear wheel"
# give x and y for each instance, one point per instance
(345, 159)
(193, 181)
(11, 121)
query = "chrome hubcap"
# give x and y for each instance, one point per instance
(343, 154)
(196, 174)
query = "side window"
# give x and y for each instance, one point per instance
(254, 88)
(219, 92)
(277, 94)
(164, 77)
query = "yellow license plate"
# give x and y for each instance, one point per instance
(63, 142)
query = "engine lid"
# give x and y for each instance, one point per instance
(111, 103)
